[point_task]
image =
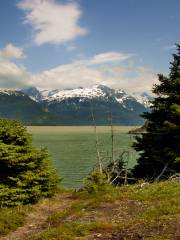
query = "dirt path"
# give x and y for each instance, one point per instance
(37, 218)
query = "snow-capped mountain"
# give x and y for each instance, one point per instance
(75, 106)
(17, 105)
(84, 94)
(10, 92)
(143, 98)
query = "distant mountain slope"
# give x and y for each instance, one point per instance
(75, 106)
(35, 106)
(98, 91)
(143, 98)
(17, 105)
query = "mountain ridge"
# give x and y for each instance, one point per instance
(93, 92)
(75, 106)
(17, 105)
(35, 106)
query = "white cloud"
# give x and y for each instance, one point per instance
(133, 78)
(68, 76)
(109, 57)
(85, 72)
(127, 75)
(13, 75)
(104, 58)
(53, 22)
(11, 51)
(97, 70)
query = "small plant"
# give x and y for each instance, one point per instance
(96, 182)
(117, 171)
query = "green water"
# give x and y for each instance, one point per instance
(73, 149)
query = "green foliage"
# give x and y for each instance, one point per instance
(69, 231)
(155, 191)
(117, 171)
(11, 219)
(96, 182)
(25, 172)
(159, 148)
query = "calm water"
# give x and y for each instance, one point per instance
(73, 151)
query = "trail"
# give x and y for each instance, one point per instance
(37, 218)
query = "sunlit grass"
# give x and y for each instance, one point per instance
(11, 219)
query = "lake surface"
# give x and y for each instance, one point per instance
(73, 149)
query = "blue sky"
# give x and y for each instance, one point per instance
(59, 44)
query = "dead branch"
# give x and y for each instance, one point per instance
(97, 143)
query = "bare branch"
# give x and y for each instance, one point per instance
(162, 172)
(97, 143)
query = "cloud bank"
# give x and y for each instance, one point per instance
(13, 75)
(114, 69)
(52, 22)
(80, 74)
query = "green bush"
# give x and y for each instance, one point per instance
(96, 182)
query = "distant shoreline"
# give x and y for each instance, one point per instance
(83, 128)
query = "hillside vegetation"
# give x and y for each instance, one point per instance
(140, 211)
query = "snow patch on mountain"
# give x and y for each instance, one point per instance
(60, 95)
(83, 94)
(143, 98)
(11, 92)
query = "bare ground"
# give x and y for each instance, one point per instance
(36, 219)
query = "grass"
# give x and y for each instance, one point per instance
(151, 212)
(11, 219)
(69, 231)
(73, 148)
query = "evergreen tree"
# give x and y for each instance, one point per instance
(25, 172)
(160, 147)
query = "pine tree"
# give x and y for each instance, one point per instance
(159, 148)
(25, 172)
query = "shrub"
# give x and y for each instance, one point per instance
(96, 182)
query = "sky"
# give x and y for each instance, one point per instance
(58, 44)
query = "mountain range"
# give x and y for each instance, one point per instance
(34, 106)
